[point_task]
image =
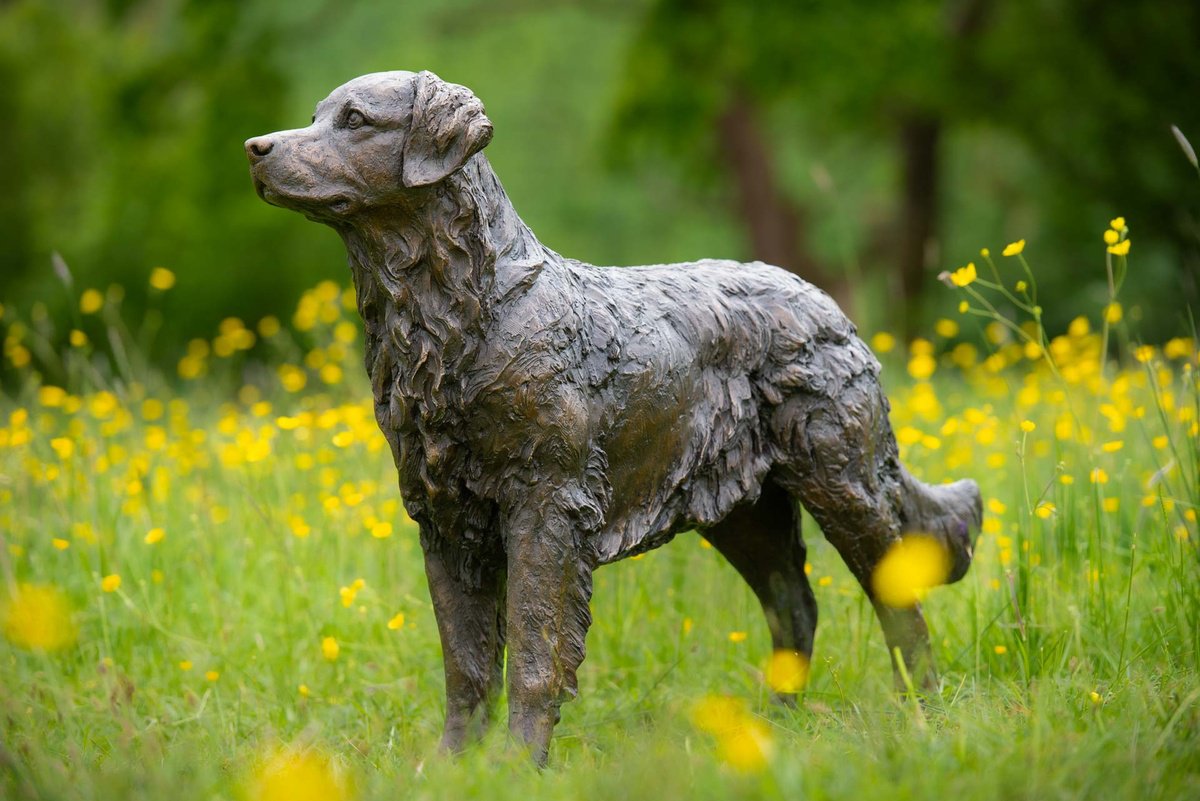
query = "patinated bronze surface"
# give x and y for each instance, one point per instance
(548, 417)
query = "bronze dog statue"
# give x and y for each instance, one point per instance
(548, 417)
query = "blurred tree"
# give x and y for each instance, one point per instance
(124, 139)
(1089, 85)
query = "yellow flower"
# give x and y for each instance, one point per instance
(90, 301)
(787, 671)
(1117, 224)
(743, 742)
(947, 329)
(304, 691)
(1014, 248)
(1113, 446)
(964, 276)
(1028, 426)
(1022, 286)
(185, 665)
(1160, 442)
(78, 338)
(1113, 312)
(985, 252)
(381, 530)
(162, 279)
(921, 366)
(110, 583)
(63, 446)
(1120, 249)
(153, 536)
(1045, 509)
(37, 617)
(268, 326)
(60, 543)
(1111, 237)
(330, 648)
(1098, 476)
(292, 774)
(1096, 698)
(737, 636)
(1001, 649)
(963, 306)
(396, 622)
(911, 567)
(212, 675)
(883, 342)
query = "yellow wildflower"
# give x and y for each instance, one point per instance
(211, 675)
(1001, 650)
(911, 567)
(964, 276)
(737, 636)
(90, 301)
(787, 671)
(78, 338)
(110, 583)
(1014, 248)
(1113, 311)
(1111, 237)
(1120, 249)
(396, 622)
(1113, 446)
(185, 665)
(1022, 286)
(330, 648)
(1117, 224)
(162, 279)
(921, 366)
(883, 342)
(297, 775)
(37, 617)
(1028, 426)
(963, 306)
(154, 535)
(63, 446)
(60, 543)
(1045, 509)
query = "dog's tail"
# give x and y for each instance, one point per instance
(951, 513)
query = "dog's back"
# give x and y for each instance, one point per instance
(693, 362)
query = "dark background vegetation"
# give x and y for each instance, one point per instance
(866, 145)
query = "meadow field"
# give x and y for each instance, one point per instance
(211, 589)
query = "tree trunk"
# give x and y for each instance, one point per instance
(775, 226)
(919, 138)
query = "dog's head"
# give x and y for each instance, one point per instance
(373, 142)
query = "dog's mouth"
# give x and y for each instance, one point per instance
(338, 204)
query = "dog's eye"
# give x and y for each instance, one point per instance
(355, 119)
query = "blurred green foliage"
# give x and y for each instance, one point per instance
(122, 141)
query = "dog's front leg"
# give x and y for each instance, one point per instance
(471, 623)
(549, 587)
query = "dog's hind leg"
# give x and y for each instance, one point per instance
(471, 624)
(763, 542)
(845, 469)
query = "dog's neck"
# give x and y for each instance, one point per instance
(427, 277)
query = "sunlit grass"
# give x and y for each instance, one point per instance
(211, 588)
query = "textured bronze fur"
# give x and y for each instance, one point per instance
(547, 417)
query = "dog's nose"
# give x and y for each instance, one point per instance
(258, 147)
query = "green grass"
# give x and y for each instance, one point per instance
(1069, 653)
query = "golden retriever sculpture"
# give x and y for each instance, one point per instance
(548, 417)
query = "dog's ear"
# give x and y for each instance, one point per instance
(448, 127)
